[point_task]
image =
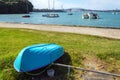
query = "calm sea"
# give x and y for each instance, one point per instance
(107, 19)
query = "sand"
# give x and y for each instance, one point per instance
(103, 32)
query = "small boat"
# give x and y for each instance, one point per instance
(45, 15)
(85, 16)
(27, 11)
(37, 56)
(52, 15)
(90, 16)
(115, 13)
(26, 16)
(70, 13)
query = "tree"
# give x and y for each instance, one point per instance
(15, 6)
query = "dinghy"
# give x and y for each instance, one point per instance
(37, 56)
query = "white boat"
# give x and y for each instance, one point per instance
(50, 15)
(90, 16)
(114, 13)
(85, 16)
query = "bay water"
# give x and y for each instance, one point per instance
(106, 19)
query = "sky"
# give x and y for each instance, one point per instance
(86, 4)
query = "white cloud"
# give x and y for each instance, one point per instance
(101, 4)
(39, 4)
(88, 4)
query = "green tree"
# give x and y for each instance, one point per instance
(15, 6)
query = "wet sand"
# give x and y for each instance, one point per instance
(103, 32)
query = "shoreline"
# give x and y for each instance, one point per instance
(66, 25)
(96, 31)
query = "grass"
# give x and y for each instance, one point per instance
(77, 47)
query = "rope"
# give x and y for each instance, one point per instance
(36, 74)
(68, 71)
(83, 69)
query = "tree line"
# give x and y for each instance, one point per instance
(15, 6)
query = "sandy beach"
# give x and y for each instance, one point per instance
(103, 32)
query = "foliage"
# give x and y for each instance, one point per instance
(17, 6)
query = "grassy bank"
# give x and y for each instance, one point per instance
(78, 47)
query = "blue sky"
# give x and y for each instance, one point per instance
(87, 4)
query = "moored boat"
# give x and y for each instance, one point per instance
(37, 56)
(70, 13)
(90, 16)
(85, 16)
(27, 11)
(52, 15)
(114, 13)
(26, 16)
(45, 15)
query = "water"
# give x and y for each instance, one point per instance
(107, 19)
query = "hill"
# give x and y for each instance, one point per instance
(15, 6)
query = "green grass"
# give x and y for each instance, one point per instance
(76, 45)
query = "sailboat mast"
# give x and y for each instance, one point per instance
(27, 6)
(48, 4)
(53, 4)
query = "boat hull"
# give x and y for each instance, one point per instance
(37, 56)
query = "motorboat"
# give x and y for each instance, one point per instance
(90, 16)
(52, 15)
(85, 16)
(70, 13)
(26, 16)
(45, 15)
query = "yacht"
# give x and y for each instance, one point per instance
(51, 15)
(90, 16)
(85, 16)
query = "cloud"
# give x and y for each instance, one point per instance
(102, 4)
(88, 4)
(40, 4)
(94, 4)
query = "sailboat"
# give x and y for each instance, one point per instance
(51, 15)
(26, 16)
(114, 13)
(70, 12)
